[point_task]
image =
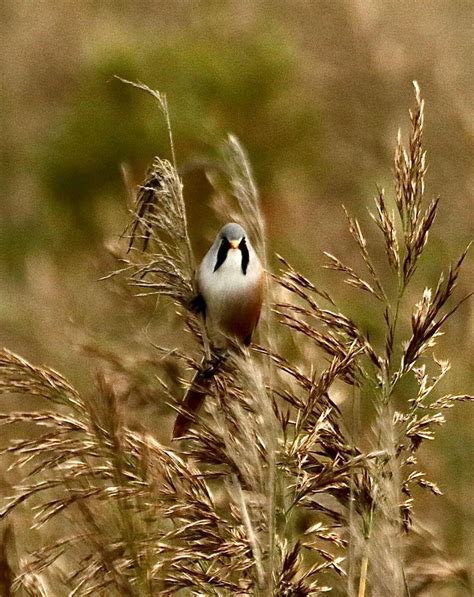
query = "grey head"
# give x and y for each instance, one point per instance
(231, 236)
(231, 232)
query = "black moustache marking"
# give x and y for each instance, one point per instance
(245, 255)
(222, 253)
(224, 249)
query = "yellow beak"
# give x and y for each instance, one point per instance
(234, 244)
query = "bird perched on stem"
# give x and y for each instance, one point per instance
(230, 285)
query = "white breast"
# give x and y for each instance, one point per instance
(227, 287)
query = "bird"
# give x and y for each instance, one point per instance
(230, 288)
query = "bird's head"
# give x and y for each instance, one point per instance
(233, 234)
(232, 237)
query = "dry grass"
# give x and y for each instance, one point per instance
(269, 494)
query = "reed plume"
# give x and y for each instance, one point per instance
(270, 493)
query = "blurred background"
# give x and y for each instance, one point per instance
(315, 91)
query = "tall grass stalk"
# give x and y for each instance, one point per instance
(269, 493)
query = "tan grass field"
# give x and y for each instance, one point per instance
(333, 454)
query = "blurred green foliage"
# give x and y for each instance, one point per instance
(213, 86)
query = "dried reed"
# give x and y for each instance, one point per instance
(269, 494)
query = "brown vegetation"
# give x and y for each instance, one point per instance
(275, 491)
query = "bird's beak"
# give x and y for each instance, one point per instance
(234, 244)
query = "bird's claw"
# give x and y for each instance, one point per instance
(211, 367)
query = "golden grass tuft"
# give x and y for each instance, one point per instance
(270, 493)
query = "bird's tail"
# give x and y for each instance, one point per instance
(197, 392)
(192, 403)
